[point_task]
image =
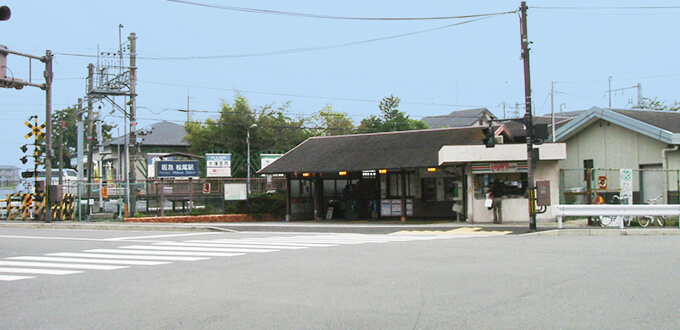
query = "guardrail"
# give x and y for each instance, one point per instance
(615, 210)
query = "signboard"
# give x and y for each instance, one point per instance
(266, 159)
(392, 207)
(235, 191)
(626, 177)
(218, 165)
(499, 167)
(602, 182)
(177, 169)
(386, 208)
(151, 159)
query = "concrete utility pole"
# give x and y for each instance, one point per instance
(81, 150)
(552, 109)
(90, 138)
(133, 121)
(528, 120)
(49, 76)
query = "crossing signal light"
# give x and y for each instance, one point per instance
(489, 137)
(24, 148)
(23, 160)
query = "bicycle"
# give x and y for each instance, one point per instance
(646, 220)
(606, 220)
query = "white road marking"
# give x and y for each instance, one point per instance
(38, 271)
(181, 248)
(14, 278)
(122, 256)
(156, 236)
(168, 253)
(265, 241)
(53, 265)
(93, 261)
(312, 240)
(228, 245)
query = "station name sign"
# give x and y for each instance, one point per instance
(177, 169)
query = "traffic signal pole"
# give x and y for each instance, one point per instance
(528, 119)
(47, 87)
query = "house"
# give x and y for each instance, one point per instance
(9, 175)
(157, 139)
(435, 173)
(608, 140)
(464, 118)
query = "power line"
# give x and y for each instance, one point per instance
(306, 15)
(609, 8)
(294, 50)
(309, 49)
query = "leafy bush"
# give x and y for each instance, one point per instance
(274, 204)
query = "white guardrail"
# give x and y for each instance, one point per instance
(615, 210)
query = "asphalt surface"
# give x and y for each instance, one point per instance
(571, 228)
(119, 279)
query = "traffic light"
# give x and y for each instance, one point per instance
(5, 13)
(489, 137)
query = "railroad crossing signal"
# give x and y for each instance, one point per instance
(35, 130)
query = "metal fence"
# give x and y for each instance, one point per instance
(112, 200)
(633, 186)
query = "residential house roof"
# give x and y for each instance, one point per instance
(660, 125)
(394, 150)
(518, 130)
(159, 134)
(463, 118)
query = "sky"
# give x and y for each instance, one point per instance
(198, 54)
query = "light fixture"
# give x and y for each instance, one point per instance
(342, 172)
(382, 171)
(432, 169)
(306, 174)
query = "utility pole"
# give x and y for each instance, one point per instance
(528, 120)
(133, 121)
(610, 91)
(552, 109)
(90, 138)
(80, 152)
(49, 76)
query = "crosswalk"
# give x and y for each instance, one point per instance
(165, 252)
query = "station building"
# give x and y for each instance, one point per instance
(423, 174)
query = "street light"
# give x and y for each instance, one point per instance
(248, 154)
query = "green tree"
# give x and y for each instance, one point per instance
(64, 133)
(392, 119)
(273, 130)
(328, 122)
(656, 104)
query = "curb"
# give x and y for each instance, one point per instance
(608, 232)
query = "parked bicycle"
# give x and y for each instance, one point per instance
(607, 220)
(646, 220)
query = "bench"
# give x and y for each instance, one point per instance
(594, 210)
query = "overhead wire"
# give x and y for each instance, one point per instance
(306, 15)
(309, 49)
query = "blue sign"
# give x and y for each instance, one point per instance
(176, 168)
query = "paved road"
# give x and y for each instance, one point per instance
(128, 279)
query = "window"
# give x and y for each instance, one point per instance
(515, 184)
(394, 185)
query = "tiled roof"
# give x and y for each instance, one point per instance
(159, 134)
(666, 120)
(409, 149)
(461, 118)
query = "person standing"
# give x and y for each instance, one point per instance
(497, 192)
